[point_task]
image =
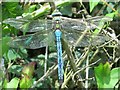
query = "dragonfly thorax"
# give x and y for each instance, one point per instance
(56, 15)
(57, 22)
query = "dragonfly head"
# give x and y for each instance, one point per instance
(56, 15)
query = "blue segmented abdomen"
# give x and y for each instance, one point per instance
(58, 35)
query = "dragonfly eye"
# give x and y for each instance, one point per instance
(57, 18)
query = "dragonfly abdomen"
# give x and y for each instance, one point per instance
(58, 35)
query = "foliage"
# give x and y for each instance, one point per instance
(106, 78)
(11, 10)
(12, 84)
(20, 64)
(93, 4)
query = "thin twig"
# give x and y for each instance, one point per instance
(67, 79)
(49, 72)
(46, 50)
(87, 72)
(108, 5)
(46, 57)
(81, 60)
(106, 52)
(95, 53)
(84, 68)
(108, 41)
(72, 63)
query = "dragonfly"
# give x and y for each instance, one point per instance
(50, 32)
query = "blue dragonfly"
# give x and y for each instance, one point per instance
(49, 31)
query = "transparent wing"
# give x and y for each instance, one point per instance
(39, 25)
(73, 29)
(33, 41)
(87, 39)
(29, 25)
(17, 23)
(37, 40)
(69, 24)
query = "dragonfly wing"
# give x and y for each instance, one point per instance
(69, 24)
(17, 23)
(39, 25)
(33, 41)
(29, 25)
(72, 38)
(96, 20)
(86, 40)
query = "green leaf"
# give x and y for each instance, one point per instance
(5, 83)
(15, 69)
(105, 77)
(13, 83)
(109, 9)
(25, 27)
(102, 73)
(112, 14)
(25, 82)
(29, 69)
(5, 45)
(39, 12)
(92, 4)
(114, 77)
(29, 9)
(0, 47)
(11, 55)
(11, 9)
(66, 10)
(32, 8)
